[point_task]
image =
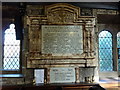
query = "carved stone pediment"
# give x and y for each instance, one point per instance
(62, 13)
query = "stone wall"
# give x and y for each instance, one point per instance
(28, 74)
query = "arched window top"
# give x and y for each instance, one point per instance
(118, 34)
(118, 40)
(105, 34)
(10, 35)
(11, 29)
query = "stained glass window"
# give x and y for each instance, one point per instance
(118, 46)
(11, 50)
(105, 51)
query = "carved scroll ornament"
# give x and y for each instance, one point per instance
(62, 13)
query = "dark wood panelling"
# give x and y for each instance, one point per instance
(70, 86)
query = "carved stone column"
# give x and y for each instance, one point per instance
(77, 72)
(48, 75)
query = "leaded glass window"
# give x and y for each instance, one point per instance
(11, 50)
(105, 51)
(118, 46)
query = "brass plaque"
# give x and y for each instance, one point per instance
(62, 39)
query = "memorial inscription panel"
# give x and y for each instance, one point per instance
(62, 39)
(62, 75)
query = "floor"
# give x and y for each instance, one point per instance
(110, 83)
